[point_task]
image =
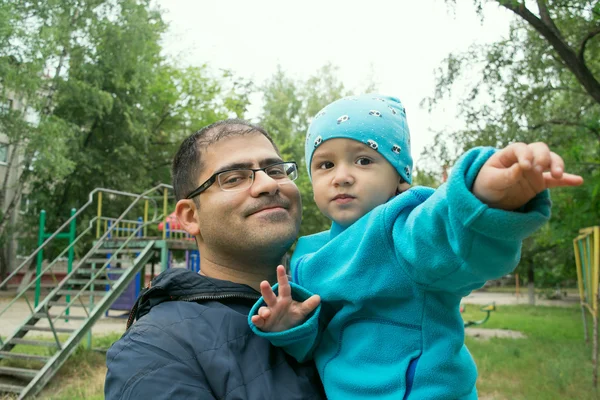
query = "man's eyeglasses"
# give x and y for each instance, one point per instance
(239, 179)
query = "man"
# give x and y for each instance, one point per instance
(192, 340)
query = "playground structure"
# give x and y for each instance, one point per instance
(587, 261)
(108, 275)
(488, 309)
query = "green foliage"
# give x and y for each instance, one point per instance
(98, 105)
(526, 90)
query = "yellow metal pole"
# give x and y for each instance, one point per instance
(596, 261)
(165, 213)
(145, 218)
(596, 265)
(588, 275)
(579, 272)
(99, 215)
(105, 225)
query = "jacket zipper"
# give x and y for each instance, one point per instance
(244, 296)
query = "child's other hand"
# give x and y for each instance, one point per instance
(516, 174)
(282, 312)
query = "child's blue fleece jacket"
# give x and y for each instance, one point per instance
(391, 285)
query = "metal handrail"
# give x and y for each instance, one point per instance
(93, 250)
(49, 266)
(122, 216)
(64, 225)
(103, 269)
(29, 286)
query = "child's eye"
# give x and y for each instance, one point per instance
(364, 161)
(326, 165)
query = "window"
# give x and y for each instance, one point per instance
(3, 153)
(24, 204)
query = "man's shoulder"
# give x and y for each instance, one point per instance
(183, 329)
(177, 318)
(169, 315)
(181, 350)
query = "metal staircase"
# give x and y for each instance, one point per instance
(66, 314)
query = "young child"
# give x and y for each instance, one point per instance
(396, 262)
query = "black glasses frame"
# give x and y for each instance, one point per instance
(208, 183)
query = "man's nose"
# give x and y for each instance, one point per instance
(263, 184)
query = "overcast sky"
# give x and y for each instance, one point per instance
(399, 43)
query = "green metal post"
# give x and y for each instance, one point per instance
(40, 258)
(72, 228)
(164, 255)
(165, 198)
(89, 334)
(98, 221)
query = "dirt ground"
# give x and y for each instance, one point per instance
(13, 317)
(511, 299)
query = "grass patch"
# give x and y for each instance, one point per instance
(552, 363)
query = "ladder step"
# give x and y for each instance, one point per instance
(43, 316)
(10, 388)
(75, 292)
(8, 354)
(33, 342)
(97, 281)
(43, 285)
(112, 251)
(100, 261)
(65, 304)
(88, 271)
(17, 372)
(46, 329)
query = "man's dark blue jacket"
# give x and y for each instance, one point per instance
(192, 341)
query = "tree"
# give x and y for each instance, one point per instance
(35, 138)
(111, 109)
(539, 84)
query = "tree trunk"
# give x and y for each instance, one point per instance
(531, 285)
(3, 265)
(14, 203)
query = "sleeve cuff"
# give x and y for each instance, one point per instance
(477, 216)
(300, 332)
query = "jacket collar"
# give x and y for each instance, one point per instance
(184, 285)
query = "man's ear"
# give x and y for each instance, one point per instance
(403, 186)
(186, 214)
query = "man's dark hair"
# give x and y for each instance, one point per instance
(187, 164)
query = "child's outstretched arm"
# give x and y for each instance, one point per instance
(282, 312)
(472, 227)
(516, 174)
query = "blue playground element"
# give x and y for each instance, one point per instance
(126, 301)
(192, 257)
(192, 260)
